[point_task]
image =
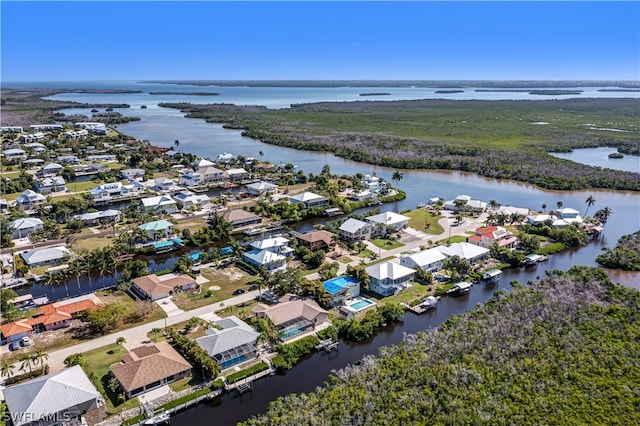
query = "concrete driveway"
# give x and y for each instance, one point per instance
(170, 308)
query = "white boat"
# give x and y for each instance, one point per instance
(429, 303)
(157, 420)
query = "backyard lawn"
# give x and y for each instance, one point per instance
(386, 244)
(423, 220)
(454, 239)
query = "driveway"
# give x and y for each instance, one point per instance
(170, 308)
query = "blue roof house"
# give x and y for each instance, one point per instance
(157, 229)
(342, 289)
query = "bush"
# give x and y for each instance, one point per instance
(248, 372)
(551, 249)
(290, 354)
(246, 267)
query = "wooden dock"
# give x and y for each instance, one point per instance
(327, 346)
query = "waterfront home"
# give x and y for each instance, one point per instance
(160, 204)
(15, 154)
(485, 236)
(188, 199)
(132, 174)
(154, 287)
(225, 157)
(509, 210)
(92, 218)
(561, 218)
(293, 315)
(261, 188)
(429, 260)
(371, 182)
(26, 226)
(102, 157)
(467, 251)
(203, 164)
(51, 184)
(316, 240)
(309, 199)
(232, 341)
(237, 175)
(353, 230)
(89, 125)
(11, 129)
(149, 367)
(389, 278)
(202, 176)
(66, 394)
(45, 127)
(51, 169)
(277, 245)
(270, 260)
(341, 289)
(32, 163)
(47, 256)
(239, 218)
(75, 134)
(362, 195)
(161, 184)
(388, 220)
(68, 159)
(30, 199)
(157, 229)
(465, 202)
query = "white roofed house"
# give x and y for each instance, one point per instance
(239, 218)
(271, 261)
(388, 219)
(230, 344)
(162, 184)
(30, 199)
(108, 191)
(51, 184)
(47, 256)
(202, 164)
(188, 199)
(51, 169)
(429, 260)
(68, 159)
(191, 178)
(101, 216)
(132, 174)
(57, 398)
(389, 278)
(465, 202)
(309, 199)
(26, 226)
(465, 251)
(13, 155)
(161, 203)
(353, 230)
(562, 218)
(225, 157)
(261, 188)
(236, 175)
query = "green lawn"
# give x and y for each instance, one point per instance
(386, 244)
(423, 220)
(132, 316)
(454, 239)
(96, 364)
(366, 253)
(344, 259)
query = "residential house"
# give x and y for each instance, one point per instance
(51, 184)
(316, 240)
(341, 289)
(225, 157)
(46, 256)
(239, 218)
(24, 227)
(51, 169)
(68, 159)
(561, 218)
(231, 342)
(388, 220)
(236, 175)
(109, 158)
(371, 182)
(467, 251)
(362, 195)
(429, 260)
(76, 134)
(157, 229)
(106, 192)
(389, 278)
(155, 287)
(90, 125)
(292, 316)
(148, 367)
(485, 236)
(38, 136)
(203, 164)
(353, 230)
(277, 245)
(36, 147)
(100, 216)
(271, 261)
(11, 129)
(203, 176)
(14, 155)
(132, 174)
(159, 204)
(161, 184)
(465, 202)
(32, 163)
(309, 199)
(261, 188)
(188, 199)
(66, 394)
(45, 127)
(30, 199)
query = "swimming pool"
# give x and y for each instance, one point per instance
(361, 304)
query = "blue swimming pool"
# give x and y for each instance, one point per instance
(361, 304)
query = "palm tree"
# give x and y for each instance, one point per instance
(121, 341)
(544, 207)
(40, 356)
(77, 267)
(26, 361)
(559, 204)
(603, 214)
(155, 331)
(590, 202)
(7, 369)
(261, 154)
(397, 176)
(176, 143)
(494, 204)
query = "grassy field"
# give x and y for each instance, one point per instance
(386, 244)
(131, 316)
(94, 242)
(454, 239)
(96, 365)
(422, 220)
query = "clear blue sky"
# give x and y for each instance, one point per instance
(319, 40)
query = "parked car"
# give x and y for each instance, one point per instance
(238, 291)
(253, 287)
(14, 346)
(25, 341)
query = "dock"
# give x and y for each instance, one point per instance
(428, 304)
(327, 346)
(14, 282)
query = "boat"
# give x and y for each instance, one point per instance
(460, 288)
(532, 259)
(491, 276)
(421, 205)
(157, 420)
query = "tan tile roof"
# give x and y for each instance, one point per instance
(152, 285)
(148, 364)
(238, 214)
(314, 236)
(289, 310)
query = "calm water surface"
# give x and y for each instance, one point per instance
(599, 157)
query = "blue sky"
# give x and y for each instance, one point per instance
(45, 41)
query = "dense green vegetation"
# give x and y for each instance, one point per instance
(625, 255)
(540, 355)
(497, 139)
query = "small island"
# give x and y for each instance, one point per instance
(616, 155)
(555, 92)
(186, 93)
(375, 94)
(143, 106)
(449, 91)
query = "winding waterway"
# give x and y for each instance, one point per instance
(163, 126)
